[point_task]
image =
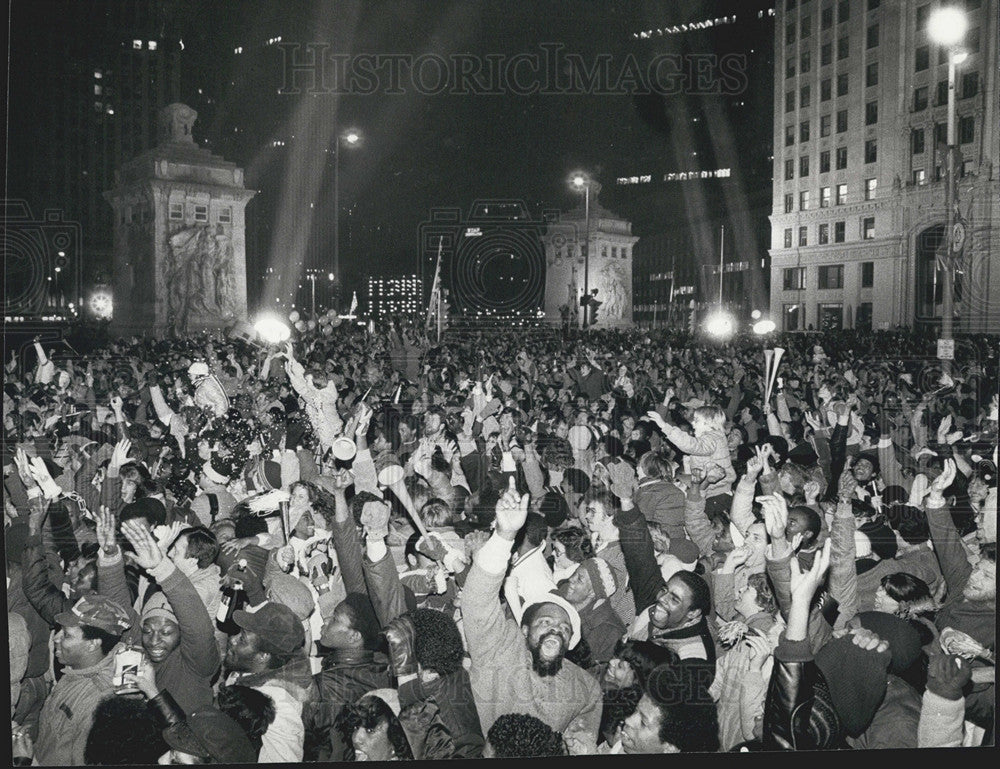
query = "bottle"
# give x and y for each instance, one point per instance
(233, 598)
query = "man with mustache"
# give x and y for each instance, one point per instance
(523, 669)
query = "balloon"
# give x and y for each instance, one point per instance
(327, 329)
(311, 325)
(336, 322)
(300, 325)
(293, 316)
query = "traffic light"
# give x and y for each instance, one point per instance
(594, 305)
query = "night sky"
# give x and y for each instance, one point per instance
(419, 151)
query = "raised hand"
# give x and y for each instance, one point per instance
(511, 512)
(945, 479)
(105, 520)
(947, 675)
(775, 515)
(656, 419)
(120, 454)
(804, 584)
(147, 553)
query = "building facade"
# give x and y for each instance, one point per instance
(179, 251)
(860, 133)
(608, 269)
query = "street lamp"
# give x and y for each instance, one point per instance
(311, 277)
(946, 26)
(351, 139)
(581, 182)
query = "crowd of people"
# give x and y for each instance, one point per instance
(368, 545)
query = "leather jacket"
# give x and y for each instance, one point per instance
(798, 712)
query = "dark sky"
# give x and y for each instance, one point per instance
(424, 151)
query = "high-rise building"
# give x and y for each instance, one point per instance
(860, 131)
(716, 167)
(102, 91)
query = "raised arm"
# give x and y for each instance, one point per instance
(489, 634)
(197, 645)
(955, 566)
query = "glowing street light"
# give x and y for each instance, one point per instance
(352, 139)
(720, 324)
(946, 26)
(581, 182)
(271, 329)
(762, 327)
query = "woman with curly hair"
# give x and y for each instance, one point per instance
(373, 731)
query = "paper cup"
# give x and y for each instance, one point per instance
(344, 449)
(390, 474)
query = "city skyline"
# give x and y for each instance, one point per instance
(420, 150)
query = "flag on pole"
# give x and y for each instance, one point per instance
(432, 305)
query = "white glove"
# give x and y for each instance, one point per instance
(38, 471)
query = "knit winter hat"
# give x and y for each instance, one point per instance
(904, 640)
(562, 603)
(158, 606)
(856, 679)
(602, 577)
(285, 589)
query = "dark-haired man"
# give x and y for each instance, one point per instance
(268, 654)
(515, 672)
(84, 644)
(676, 713)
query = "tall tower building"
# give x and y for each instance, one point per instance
(860, 129)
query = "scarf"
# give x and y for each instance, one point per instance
(700, 629)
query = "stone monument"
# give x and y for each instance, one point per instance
(610, 264)
(179, 235)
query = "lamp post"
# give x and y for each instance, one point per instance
(351, 138)
(946, 26)
(582, 182)
(311, 277)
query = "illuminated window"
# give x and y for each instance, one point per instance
(152, 45)
(137, 45)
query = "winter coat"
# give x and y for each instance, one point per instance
(188, 670)
(503, 680)
(68, 713)
(347, 674)
(798, 711)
